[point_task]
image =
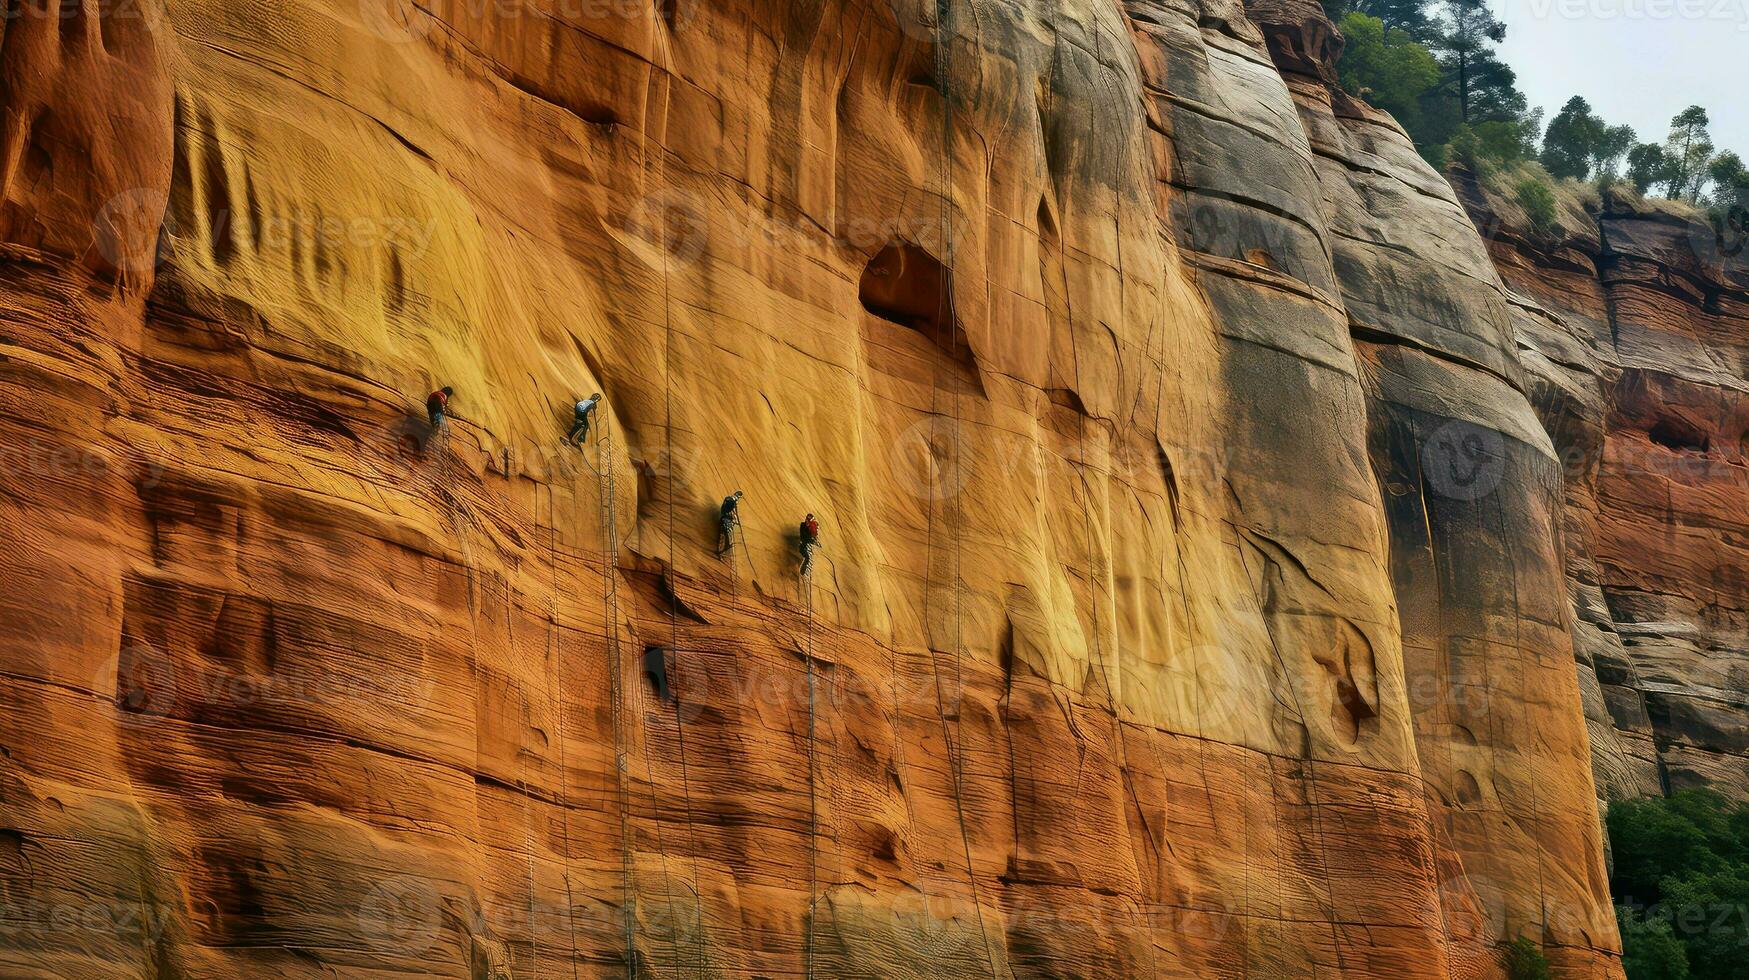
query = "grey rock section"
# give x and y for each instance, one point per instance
(1348, 280)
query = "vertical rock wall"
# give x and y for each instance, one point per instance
(1631, 318)
(1192, 600)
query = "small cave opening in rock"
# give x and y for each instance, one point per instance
(1677, 435)
(906, 285)
(656, 670)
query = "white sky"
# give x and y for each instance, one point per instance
(1636, 61)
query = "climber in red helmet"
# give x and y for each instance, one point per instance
(437, 403)
(810, 539)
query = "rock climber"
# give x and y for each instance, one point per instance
(810, 539)
(437, 403)
(727, 520)
(580, 428)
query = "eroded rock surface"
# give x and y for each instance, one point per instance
(1194, 599)
(1632, 321)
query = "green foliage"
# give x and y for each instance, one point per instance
(1509, 140)
(1537, 199)
(1730, 181)
(1525, 960)
(1436, 75)
(1681, 883)
(1647, 165)
(1572, 140)
(1387, 67)
(1464, 38)
(1650, 950)
(1442, 79)
(1708, 914)
(1606, 154)
(1688, 149)
(1466, 149)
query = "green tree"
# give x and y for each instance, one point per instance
(1706, 910)
(1572, 140)
(1647, 165)
(1688, 149)
(1681, 877)
(1611, 147)
(1409, 16)
(1482, 85)
(1510, 140)
(1650, 951)
(1386, 67)
(1652, 839)
(1730, 180)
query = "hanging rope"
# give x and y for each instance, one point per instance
(556, 656)
(673, 569)
(813, 802)
(944, 75)
(1309, 782)
(527, 802)
(616, 687)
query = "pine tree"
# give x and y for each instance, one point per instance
(1409, 16)
(1484, 87)
(1688, 149)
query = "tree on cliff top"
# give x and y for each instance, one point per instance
(1408, 16)
(1572, 140)
(1482, 85)
(1606, 155)
(1688, 149)
(1386, 67)
(1647, 165)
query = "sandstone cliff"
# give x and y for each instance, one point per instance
(1631, 318)
(1197, 593)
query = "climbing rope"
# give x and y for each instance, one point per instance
(813, 802)
(556, 656)
(947, 307)
(673, 570)
(1094, 581)
(616, 687)
(527, 801)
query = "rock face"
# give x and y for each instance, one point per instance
(1634, 324)
(1197, 597)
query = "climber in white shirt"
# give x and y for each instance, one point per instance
(580, 429)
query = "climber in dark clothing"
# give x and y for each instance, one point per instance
(810, 539)
(437, 403)
(727, 520)
(580, 428)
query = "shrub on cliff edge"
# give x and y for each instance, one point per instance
(1525, 960)
(1537, 199)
